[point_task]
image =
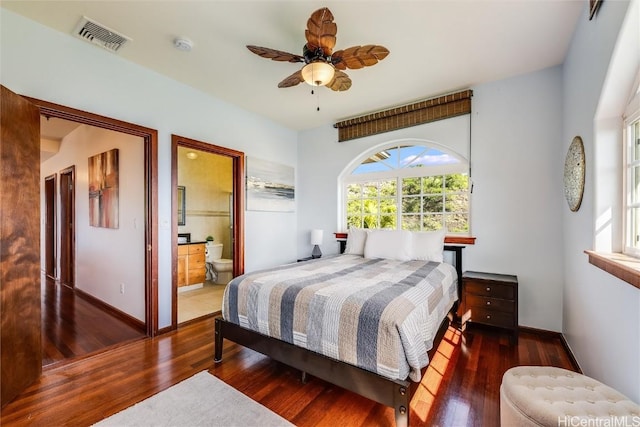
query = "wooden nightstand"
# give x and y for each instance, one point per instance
(490, 299)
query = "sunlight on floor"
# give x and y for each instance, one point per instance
(424, 397)
(200, 302)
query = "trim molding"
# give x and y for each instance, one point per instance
(238, 159)
(554, 335)
(167, 329)
(112, 310)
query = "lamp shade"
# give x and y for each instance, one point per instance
(316, 237)
(318, 73)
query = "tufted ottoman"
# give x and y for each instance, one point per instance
(547, 396)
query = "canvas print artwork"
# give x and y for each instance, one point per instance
(104, 189)
(270, 186)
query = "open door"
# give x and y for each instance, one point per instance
(20, 281)
(67, 226)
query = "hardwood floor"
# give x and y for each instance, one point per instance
(73, 327)
(461, 387)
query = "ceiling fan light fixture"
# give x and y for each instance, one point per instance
(318, 73)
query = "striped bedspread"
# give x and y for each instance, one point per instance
(380, 315)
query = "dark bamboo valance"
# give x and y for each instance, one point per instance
(430, 110)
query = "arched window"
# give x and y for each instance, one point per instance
(409, 186)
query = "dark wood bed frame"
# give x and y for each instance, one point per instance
(394, 393)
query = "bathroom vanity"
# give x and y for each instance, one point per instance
(191, 265)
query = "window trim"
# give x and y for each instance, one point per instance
(631, 115)
(622, 266)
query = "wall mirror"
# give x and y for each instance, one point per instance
(181, 205)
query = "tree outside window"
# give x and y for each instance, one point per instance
(419, 198)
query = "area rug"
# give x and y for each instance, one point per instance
(202, 400)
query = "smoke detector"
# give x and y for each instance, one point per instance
(184, 44)
(98, 34)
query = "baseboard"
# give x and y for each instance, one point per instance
(573, 359)
(554, 335)
(112, 310)
(198, 319)
(165, 330)
(540, 332)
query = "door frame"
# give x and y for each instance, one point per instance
(150, 138)
(237, 158)
(68, 234)
(50, 241)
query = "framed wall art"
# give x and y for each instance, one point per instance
(270, 186)
(104, 189)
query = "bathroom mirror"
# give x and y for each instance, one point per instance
(181, 205)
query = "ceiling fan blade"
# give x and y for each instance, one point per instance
(321, 31)
(359, 56)
(276, 55)
(293, 80)
(340, 82)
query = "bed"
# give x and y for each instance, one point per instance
(365, 322)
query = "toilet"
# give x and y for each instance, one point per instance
(222, 267)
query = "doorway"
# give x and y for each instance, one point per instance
(67, 226)
(148, 223)
(208, 182)
(50, 260)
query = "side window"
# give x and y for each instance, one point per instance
(632, 181)
(410, 187)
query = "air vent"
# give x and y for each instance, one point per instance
(91, 31)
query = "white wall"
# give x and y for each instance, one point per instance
(321, 159)
(518, 198)
(601, 314)
(45, 64)
(517, 176)
(101, 253)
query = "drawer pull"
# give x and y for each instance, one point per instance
(488, 316)
(488, 289)
(488, 302)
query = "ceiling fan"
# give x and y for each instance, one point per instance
(323, 65)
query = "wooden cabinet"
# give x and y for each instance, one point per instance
(191, 264)
(490, 299)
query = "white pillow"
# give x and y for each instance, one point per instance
(428, 245)
(388, 244)
(355, 241)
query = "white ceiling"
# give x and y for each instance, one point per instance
(436, 47)
(56, 129)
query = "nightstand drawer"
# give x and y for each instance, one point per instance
(489, 289)
(475, 301)
(490, 317)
